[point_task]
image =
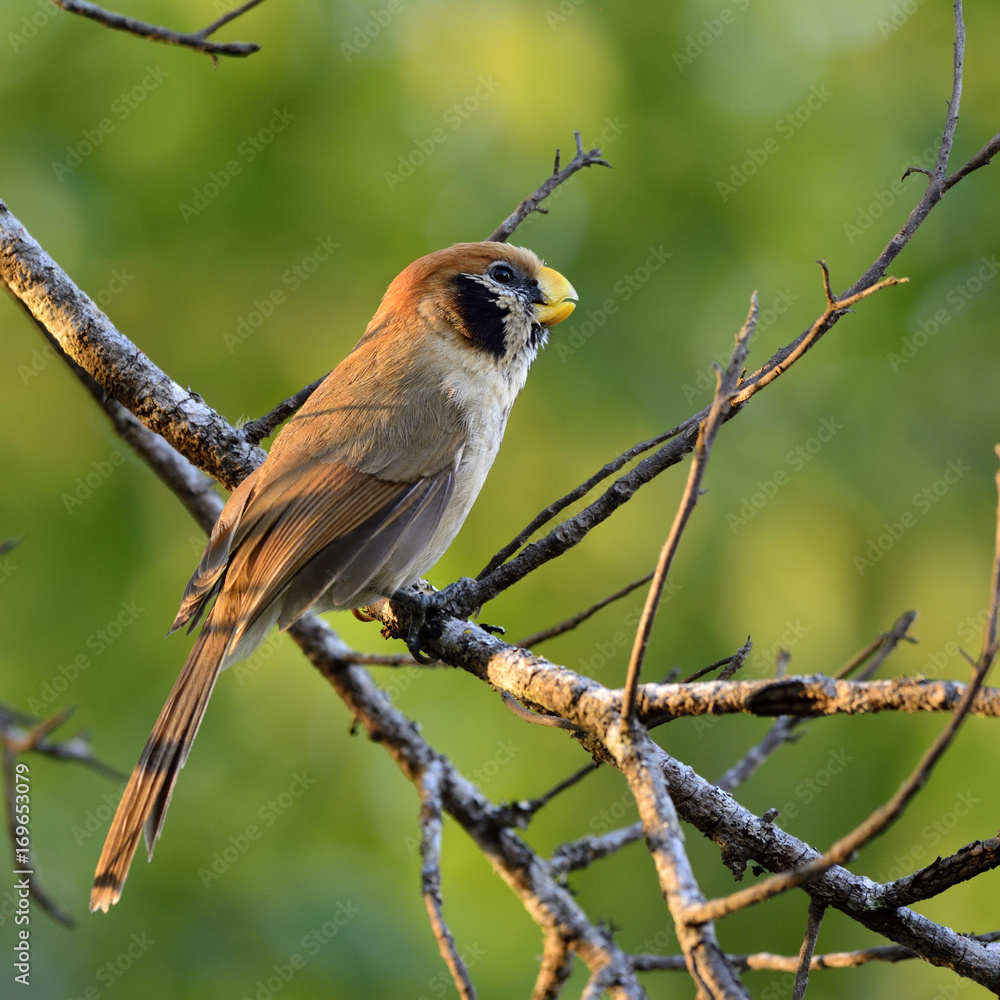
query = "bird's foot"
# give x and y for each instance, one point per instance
(453, 597)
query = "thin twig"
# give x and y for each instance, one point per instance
(429, 787)
(951, 119)
(227, 17)
(941, 874)
(782, 732)
(990, 626)
(881, 647)
(530, 641)
(256, 430)
(546, 515)
(527, 808)
(557, 963)
(981, 159)
(530, 204)
(197, 40)
(698, 674)
(736, 661)
(765, 961)
(536, 718)
(706, 437)
(584, 852)
(835, 308)
(814, 921)
(937, 184)
(19, 832)
(506, 569)
(22, 733)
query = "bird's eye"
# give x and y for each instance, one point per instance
(503, 274)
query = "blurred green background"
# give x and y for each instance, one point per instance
(745, 145)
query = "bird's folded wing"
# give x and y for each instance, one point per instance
(354, 484)
(207, 578)
(326, 527)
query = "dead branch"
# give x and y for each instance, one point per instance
(593, 157)
(197, 40)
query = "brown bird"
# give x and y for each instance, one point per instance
(362, 492)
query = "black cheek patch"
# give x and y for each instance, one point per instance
(538, 337)
(483, 317)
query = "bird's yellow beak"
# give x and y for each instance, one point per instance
(556, 290)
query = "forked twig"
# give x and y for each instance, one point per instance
(835, 308)
(197, 40)
(593, 157)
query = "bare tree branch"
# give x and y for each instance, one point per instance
(505, 230)
(727, 663)
(21, 734)
(835, 308)
(197, 40)
(584, 852)
(943, 873)
(883, 817)
(550, 904)
(556, 965)
(572, 531)
(723, 820)
(634, 754)
(814, 921)
(526, 810)
(809, 697)
(256, 430)
(580, 491)
(122, 371)
(429, 785)
(578, 619)
(789, 963)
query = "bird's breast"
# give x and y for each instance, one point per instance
(484, 400)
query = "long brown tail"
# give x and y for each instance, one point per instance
(147, 796)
